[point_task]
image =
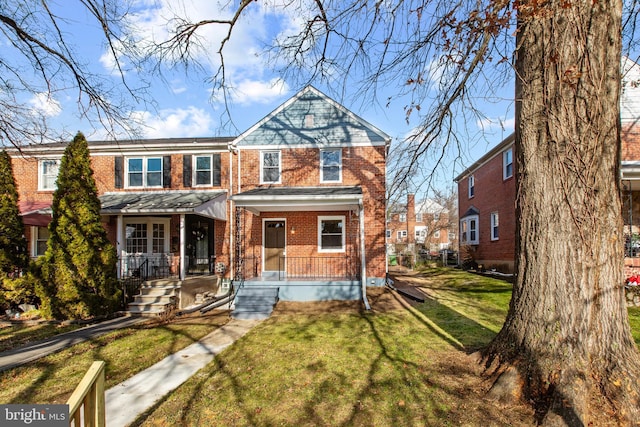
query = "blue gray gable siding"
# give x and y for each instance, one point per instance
(332, 125)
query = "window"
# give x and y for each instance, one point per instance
(436, 234)
(330, 165)
(331, 234)
(270, 167)
(469, 230)
(472, 186)
(39, 237)
(418, 217)
(388, 234)
(48, 174)
(494, 225)
(403, 217)
(144, 172)
(402, 234)
(507, 163)
(203, 170)
(436, 216)
(147, 237)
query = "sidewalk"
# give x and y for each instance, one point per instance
(30, 352)
(129, 399)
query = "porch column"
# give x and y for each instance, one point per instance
(183, 234)
(120, 247)
(363, 258)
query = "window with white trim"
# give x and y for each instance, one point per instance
(507, 163)
(48, 174)
(144, 172)
(472, 186)
(270, 167)
(436, 234)
(495, 222)
(402, 234)
(331, 234)
(147, 237)
(39, 238)
(331, 165)
(203, 170)
(469, 230)
(402, 217)
(388, 234)
(418, 217)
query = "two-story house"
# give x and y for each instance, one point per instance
(299, 198)
(487, 191)
(424, 226)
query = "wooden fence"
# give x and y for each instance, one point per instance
(86, 404)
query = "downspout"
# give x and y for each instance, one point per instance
(363, 258)
(230, 209)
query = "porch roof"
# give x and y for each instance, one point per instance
(270, 199)
(211, 204)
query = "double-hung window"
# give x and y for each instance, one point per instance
(48, 174)
(402, 217)
(507, 163)
(494, 226)
(39, 238)
(472, 186)
(331, 234)
(144, 172)
(270, 167)
(469, 230)
(331, 165)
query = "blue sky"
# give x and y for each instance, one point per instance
(183, 105)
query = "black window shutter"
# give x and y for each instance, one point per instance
(118, 172)
(166, 172)
(216, 172)
(186, 170)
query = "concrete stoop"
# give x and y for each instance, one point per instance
(255, 302)
(156, 297)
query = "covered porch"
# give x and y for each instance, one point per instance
(307, 241)
(160, 234)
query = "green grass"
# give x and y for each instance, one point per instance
(385, 367)
(53, 378)
(634, 321)
(16, 334)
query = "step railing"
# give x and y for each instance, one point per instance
(86, 404)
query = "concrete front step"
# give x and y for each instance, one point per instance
(254, 302)
(154, 298)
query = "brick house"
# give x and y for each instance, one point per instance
(487, 191)
(424, 226)
(300, 195)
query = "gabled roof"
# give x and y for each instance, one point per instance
(312, 118)
(508, 141)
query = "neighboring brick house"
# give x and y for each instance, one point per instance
(311, 169)
(487, 191)
(423, 226)
(486, 202)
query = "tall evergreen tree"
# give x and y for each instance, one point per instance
(79, 267)
(13, 245)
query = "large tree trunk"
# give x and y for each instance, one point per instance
(567, 331)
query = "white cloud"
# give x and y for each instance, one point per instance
(497, 123)
(178, 122)
(44, 104)
(248, 92)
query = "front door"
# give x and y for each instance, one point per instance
(274, 235)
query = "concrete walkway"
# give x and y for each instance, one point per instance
(28, 353)
(129, 399)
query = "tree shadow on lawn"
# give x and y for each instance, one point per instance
(56, 372)
(409, 369)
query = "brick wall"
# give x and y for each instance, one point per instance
(492, 194)
(361, 166)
